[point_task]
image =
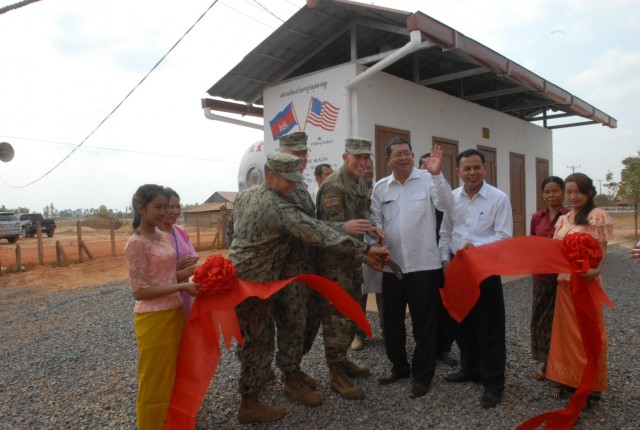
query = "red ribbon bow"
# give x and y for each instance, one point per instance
(537, 255)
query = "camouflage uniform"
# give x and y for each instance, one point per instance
(262, 226)
(291, 311)
(340, 198)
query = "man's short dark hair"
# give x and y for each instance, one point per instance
(469, 153)
(396, 141)
(319, 168)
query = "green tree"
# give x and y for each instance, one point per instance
(629, 185)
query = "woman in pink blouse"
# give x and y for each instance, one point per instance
(185, 253)
(544, 286)
(158, 316)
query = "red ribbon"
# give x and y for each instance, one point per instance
(534, 255)
(213, 315)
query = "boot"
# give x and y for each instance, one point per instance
(341, 384)
(355, 370)
(251, 410)
(308, 380)
(300, 392)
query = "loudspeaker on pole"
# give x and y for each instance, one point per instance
(6, 152)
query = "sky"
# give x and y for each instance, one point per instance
(66, 64)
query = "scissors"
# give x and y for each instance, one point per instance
(395, 268)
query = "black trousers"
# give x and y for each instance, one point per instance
(445, 328)
(481, 337)
(419, 290)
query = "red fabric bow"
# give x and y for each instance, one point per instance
(213, 314)
(536, 255)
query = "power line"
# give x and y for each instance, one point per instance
(119, 104)
(20, 4)
(124, 150)
(258, 3)
(573, 168)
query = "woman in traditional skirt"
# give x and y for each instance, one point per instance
(567, 356)
(543, 223)
(158, 316)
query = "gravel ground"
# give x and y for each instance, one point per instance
(69, 361)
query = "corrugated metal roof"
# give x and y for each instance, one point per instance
(209, 207)
(334, 32)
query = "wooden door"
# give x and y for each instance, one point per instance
(517, 181)
(384, 135)
(490, 171)
(449, 154)
(542, 172)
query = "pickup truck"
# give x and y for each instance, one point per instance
(9, 226)
(28, 222)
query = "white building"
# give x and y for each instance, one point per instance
(340, 68)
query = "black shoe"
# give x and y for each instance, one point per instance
(447, 358)
(490, 399)
(418, 390)
(460, 376)
(393, 377)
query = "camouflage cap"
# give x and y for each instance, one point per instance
(357, 145)
(286, 165)
(296, 141)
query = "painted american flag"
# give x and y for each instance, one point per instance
(322, 114)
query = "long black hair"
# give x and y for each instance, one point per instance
(142, 197)
(585, 186)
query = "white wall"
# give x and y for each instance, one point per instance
(390, 101)
(386, 100)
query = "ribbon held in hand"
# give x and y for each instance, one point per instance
(536, 255)
(213, 314)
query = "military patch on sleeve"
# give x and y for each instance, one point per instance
(330, 202)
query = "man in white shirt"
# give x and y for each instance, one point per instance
(482, 214)
(403, 205)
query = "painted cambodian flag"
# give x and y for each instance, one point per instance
(322, 114)
(282, 123)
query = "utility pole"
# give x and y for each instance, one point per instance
(573, 168)
(599, 185)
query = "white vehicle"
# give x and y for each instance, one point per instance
(10, 226)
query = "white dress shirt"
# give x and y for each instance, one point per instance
(483, 219)
(406, 214)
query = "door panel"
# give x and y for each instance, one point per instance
(449, 153)
(490, 171)
(542, 172)
(384, 135)
(517, 181)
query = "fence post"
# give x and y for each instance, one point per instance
(40, 244)
(18, 259)
(79, 230)
(61, 256)
(113, 239)
(198, 232)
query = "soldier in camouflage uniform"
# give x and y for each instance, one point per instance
(292, 315)
(262, 226)
(341, 197)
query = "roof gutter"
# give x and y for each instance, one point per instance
(221, 118)
(413, 45)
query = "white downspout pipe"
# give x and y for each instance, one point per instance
(216, 117)
(413, 45)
